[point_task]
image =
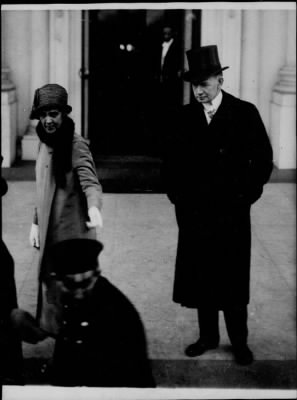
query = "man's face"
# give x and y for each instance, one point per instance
(51, 119)
(78, 288)
(208, 89)
(167, 33)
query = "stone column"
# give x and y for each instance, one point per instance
(283, 104)
(65, 36)
(250, 56)
(223, 28)
(59, 47)
(39, 75)
(8, 118)
(187, 46)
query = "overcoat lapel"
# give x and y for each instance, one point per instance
(197, 122)
(221, 125)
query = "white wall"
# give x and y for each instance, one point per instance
(254, 44)
(273, 47)
(16, 51)
(223, 28)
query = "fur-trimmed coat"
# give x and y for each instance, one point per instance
(61, 213)
(68, 205)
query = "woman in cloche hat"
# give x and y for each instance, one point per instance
(69, 195)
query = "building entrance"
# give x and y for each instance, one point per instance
(124, 98)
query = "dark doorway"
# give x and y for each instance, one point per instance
(122, 100)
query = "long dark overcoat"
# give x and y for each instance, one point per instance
(213, 173)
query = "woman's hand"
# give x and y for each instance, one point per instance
(34, 236)
(95, 218)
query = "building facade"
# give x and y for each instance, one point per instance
(53, 45)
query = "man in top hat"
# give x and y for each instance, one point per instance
(218, 159)
(68, 195)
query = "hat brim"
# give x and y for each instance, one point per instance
(197, 77)
(75, 255)
(35, 114)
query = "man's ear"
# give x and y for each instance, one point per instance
(221, 80)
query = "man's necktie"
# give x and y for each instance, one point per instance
(211, 113)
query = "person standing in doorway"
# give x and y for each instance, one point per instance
(218, 158)
(69, 195)
(163, 93)
(170, 68)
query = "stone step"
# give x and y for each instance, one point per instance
(219, 374)
(117, 174)
(126, 174)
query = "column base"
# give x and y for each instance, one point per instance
(30, 143)
(8, 125)
(283, 129)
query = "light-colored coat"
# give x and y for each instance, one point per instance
(69, 205)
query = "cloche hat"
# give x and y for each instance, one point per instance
(50, 95)
(203, 63)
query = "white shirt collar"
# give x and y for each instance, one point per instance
(167, 44)
(216, 102)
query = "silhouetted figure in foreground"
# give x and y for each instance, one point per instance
(16, 325)
(101, 341)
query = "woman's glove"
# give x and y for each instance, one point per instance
(26, 326)
(34, 236)
(95, 218)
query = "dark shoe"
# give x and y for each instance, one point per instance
(243, 355)
(200, 347)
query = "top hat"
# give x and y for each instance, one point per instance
(73, 256)
(50, 95)
(203, 63)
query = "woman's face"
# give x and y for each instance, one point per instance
(51, 119)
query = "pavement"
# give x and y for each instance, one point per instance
(140, 236)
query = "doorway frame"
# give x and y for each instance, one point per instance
(189, 27)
